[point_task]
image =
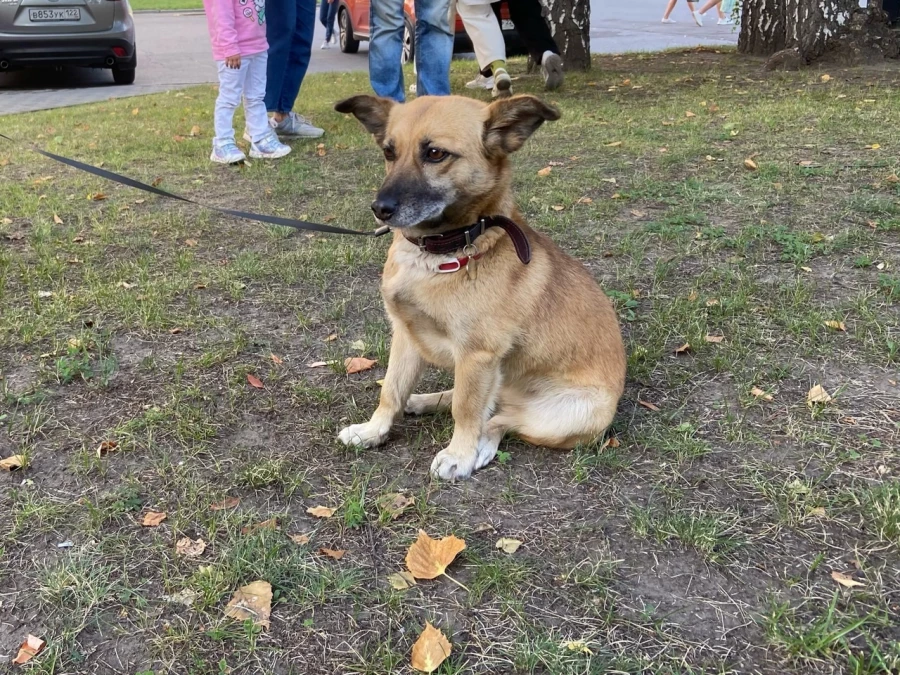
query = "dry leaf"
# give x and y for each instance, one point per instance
(57, 219)
(750, 164)
(874, 146)
(29, 649)
(358, 364)
(401, 580)
(508, 544)
(317, 364)
(683, 349)
(190, 548)
(610, 442)
(648, 405)
(332, 553)
(320, 511)
(320, 149)
(545, 171)
(428, 558)
(689, 114)
(98, 196)
(846, 581)
(195, 130)
(157, 181)
(276, 360)
(585, 200)
(228, 503)
(331, 338)
(558, 207)
(300, 539)
(270, 524)
(175, 331)
(358, 345)
(154, 518)
(190, 242)
(106, 447)
(759, 393)
(255, 381)
(825, 77)
(715, 339)
(135, 111)
(817, 395)
(430, 649)
(483, 527)
(253, 601)
(837, 325)
(395, 503)
(614, 144)
(13, 463)
(818, 512)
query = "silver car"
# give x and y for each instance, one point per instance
(91, 33)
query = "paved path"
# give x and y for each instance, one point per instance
(174, 52)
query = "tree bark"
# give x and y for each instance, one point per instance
(794, 33)
(570, 25)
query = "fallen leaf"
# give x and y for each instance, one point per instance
(558, 207)
(836, 325)
(818, 512)
(715, 339)
(106, 447)
(139, 201)
(331, 338)
(825, 78)
(57, 219)
(750, 164)
(270, 524)
(190, 242)
(358, 364)
(186, 597)
(817, 395)
(874, 146)
(124, 284)
(253, 601)
(227, 503)
(13, 463)
(395, 503)
(611, 442)
(98, 196)
(401, 580)
(332, 553)
(759, 393)
(317, 364)
(195, 130)
(614, 144)
(358, 345)
(300, 539)
(483, 527)
(29, 649)
(648, 405)
(808, 270)
(190, 548)
(430, 650)
(255, 381)
(156, 182)
(154, 518)
(135, 111)
(320, 149)
(689, 114)
(508, 544)
(428, 558)
(320, 511)
(545, 171)
(175, 331)
(683, 349)
(845, 581)
(585, 200)
(276, 360)
(712, 302)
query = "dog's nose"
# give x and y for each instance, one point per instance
(384, 208)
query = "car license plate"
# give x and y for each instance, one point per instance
(67, 14)
(508, 25)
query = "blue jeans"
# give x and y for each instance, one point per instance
(327, 13)
(289, 29)
(434, 48)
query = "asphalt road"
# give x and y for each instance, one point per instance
(174, 52)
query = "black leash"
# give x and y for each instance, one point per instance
(258, 217)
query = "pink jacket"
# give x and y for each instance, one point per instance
(236, 27)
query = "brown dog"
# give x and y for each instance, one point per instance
(532, 341)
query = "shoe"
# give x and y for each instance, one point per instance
(326, 45)
(481, 82)
(698, 18)
(269, 148)
(227, 153)
(502, 84)
(726, 22)
(669, 21)
(295, 126)
(552, 70)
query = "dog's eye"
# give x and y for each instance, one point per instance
(389, 154)
(436, 155)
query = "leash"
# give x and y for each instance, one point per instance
(245, 215)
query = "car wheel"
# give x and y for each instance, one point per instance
(124, 73)
(409, 42)
(349, 44)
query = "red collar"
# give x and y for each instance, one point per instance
(455, 240)
(458, 264)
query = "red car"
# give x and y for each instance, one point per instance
(353, 22)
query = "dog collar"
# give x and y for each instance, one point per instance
(464, 238)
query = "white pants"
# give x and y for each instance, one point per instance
(484, 29)
(249, 80)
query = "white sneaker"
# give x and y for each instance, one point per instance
(502, 84)
(698, 18)
(325, 45)
(728, 21)
(269, 148)
(481, 82)
(226, 153)
(668, 21)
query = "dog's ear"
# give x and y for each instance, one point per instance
(371, 111)
(511, 121)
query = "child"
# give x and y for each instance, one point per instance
(483, 28)
(237, 31)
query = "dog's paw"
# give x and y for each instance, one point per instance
(486, 451)
(451, 465)
(367, 435)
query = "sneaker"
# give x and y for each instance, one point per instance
(502, 84)
(668, 21)
(269, 148)
(727, 21)
(552, 70)
(227, 153)
(698, 18)
(481, 82)
(295, 126)
(326, 45)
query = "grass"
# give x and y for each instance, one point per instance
(165, 5)
(702, 540)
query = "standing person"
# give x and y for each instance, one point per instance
(533, 30)
(691, 6)
(238, 36)
(434, 48)
(483, 27)
(327, 13)
(290, 34)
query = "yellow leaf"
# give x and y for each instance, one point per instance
(683, 349)
(395, 503)
(750, 164)
(759, 393)
(190, 242)
(153, 518)
(818, 512)
(300, 539)
(401, 580)
(195, 130)
(135, 111)
(578, 646)
(276, 360)
(846, 581)
(558, 207)
(428, 558)
(874, 146)
(320, 511)
(836, 325)
(689, 114)
(817, 395)
(29, 649)
(545, 171)
(825, 78)
(430, 649)
(332, 553)
(508, 544)
(584, 200)
(13, 463)
(715, 339)
(57, 219)
(190, 548)
(614, 144)
(358, 364)
(253, 601)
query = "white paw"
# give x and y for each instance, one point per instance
(367, 435)
(486, 451)
(417, 405)
(451, 465)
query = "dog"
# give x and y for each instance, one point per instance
(533, 343)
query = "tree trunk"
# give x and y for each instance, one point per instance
(570, 24)
(794, 33)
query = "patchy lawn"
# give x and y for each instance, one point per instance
(144, 5)
(704, 542)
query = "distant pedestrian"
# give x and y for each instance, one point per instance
(698, 19)
(483, 28)
(237, 32)
(534, 31)
(724, 16)
(327, 13)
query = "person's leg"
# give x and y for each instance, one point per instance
(323, 13)
(386, 48)
(694, 13)
(487, 40)
(434, 40)
(668, 11)
(298, 57)
(254, 97)
(282, 17)
(528, 17)
(329, 25)
(709, 5)
(231, 84)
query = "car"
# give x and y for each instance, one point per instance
(90, 33)
(353, 25)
